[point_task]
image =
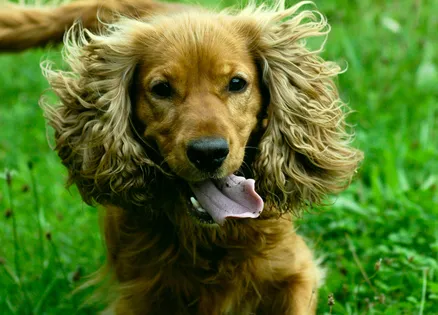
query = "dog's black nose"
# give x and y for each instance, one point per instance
(208, 154)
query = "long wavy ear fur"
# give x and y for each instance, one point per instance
(305, 151)
(94, 137)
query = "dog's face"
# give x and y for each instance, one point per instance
(198, 97)
(193, 83)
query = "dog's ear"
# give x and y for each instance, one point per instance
(93, 130)
(305, 150)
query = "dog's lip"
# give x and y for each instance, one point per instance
(202, 216)
(211, 177)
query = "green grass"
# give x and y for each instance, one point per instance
(388, 217)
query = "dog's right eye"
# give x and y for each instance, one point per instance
(162, 90)
(237, 85)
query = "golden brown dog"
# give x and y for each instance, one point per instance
(156, 114)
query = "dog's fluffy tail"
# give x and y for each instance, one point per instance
(23, 27)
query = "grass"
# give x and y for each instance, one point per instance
(379, 239)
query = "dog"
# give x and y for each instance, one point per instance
(201, 134)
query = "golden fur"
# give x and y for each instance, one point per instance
(24, 27)
(125, 149)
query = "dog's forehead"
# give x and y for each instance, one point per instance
(195, 45)
(192, 37)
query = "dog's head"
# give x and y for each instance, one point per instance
(197, 96)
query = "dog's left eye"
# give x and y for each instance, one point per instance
(162, 90)
(237, 85)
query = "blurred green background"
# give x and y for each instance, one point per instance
(379, 240)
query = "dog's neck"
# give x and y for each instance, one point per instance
(171, 232)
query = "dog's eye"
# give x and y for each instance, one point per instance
(162, 90)
(237, 85)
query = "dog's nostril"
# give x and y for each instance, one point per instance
(208, 153)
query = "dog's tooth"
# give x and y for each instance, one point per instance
(200, 209)
(196, 204)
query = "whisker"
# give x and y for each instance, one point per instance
(164, 161)
(141, 138)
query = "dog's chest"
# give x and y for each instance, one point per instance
(226, 279)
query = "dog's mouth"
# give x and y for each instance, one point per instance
(216, 200)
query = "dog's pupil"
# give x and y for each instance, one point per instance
(236, 85)
(162, 89)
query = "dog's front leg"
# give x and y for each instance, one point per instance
(295, 279)
(293, 297)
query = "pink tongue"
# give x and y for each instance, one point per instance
(229, 197)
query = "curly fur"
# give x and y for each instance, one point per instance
(94, 137)
(167, 264)
(305, 152)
